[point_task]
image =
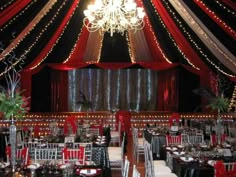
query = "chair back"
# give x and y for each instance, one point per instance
(173, 140)
(74, 155)
(92, 131)
(45, 154)
(149, 167)
(196, 139)
(135, 172)
(184, 138)
(223, 169)
(69, 139)
(232, 132)
(125, 171)
(88, 147)
(21, 154)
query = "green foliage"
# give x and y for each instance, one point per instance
(12, 105)
(219, 103)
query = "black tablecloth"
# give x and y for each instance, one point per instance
(157, 142)
(192, 169)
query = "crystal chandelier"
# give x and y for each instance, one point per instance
(114, 16)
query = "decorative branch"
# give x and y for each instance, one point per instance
(11, 100)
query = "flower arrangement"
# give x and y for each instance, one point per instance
(12, 104)
(219, 103)
(215, 95)
(85, 103)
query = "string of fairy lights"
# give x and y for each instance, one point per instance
(100, 49)
(175, 44)
(218, 19)
(30, 27)
(13, 19)
(232, 104)
(225, 8)
(27, 30)
(61, 34)
(137, 119)
(74, 47)
(42, 32)
(130, 49)
(195, 44)
(6, 5)
(147, 22)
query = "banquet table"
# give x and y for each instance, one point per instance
(99, 157)
(76, 172)
(192, 169)
(156, 141)
(195, 166)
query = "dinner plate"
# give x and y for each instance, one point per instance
(4, 164)
(179, 153)
(88, 171)
(171, 149)
(203, 146)
(33, 166)
(226, 145)
(180, 146)
(62, 166)
(211, 162)
(189, 159)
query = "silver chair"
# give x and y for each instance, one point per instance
(125, 172)
(74, 156)
(138, 148)
(42, 155)
(135, 172)
(115, 135)
(116, 156)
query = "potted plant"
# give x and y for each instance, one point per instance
(84, 102)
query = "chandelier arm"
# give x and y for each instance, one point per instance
(114, 16)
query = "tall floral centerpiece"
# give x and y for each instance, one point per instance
(217, 101)
(12, 104)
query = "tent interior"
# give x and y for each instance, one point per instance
(183, 46)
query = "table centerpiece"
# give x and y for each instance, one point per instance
(13, 105)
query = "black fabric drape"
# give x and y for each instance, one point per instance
(163, 37)
(194, 40)
(213, 27)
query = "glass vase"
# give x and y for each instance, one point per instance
(12, 138)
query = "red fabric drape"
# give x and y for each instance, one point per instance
(168, 94)
(12, 10)
(220, 170)
(231, 32)
(59, 91)
(174, 118)
(124, 117)
(179, 38)
(70, 121)
(52, 41)
(26, 82)
(78, 53)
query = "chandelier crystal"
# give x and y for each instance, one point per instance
(114, 16)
